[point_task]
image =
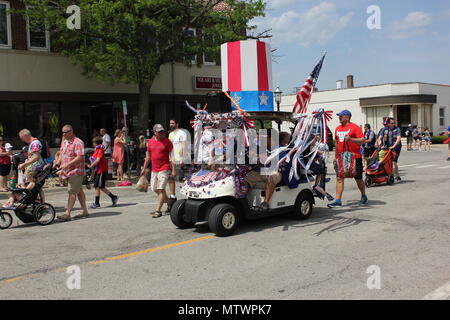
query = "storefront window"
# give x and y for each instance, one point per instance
(42, 119)
(5, 25)
(11, 122)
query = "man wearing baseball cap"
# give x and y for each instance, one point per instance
(349, 137)
(159, 148)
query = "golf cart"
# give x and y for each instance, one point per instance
(220, 197)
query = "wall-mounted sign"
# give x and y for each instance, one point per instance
(207, 83)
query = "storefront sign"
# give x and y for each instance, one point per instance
(207, 83)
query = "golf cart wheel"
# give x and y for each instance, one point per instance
(303, 207)
(44, 214)
(6, 220)
(368, 181)
(223, 219)
(177, 213)
(391, 180)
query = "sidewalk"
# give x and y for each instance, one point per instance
(50, 187)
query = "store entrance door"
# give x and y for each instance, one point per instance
(403, 117)
(102, 117)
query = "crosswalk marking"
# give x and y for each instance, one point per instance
(430, 165)
(446, 167)
(409, 165)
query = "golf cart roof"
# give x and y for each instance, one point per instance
(278, 116)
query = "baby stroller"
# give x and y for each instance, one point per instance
(29, 209)
(378, 172)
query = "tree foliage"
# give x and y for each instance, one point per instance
(128, 41)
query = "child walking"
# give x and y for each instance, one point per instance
(100, 165)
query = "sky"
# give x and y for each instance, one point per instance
(412, 44)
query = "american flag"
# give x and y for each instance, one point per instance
(203, 175)
(304, 95)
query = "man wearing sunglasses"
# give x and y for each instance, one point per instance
(72, 168)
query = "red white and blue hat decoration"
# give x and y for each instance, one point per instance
(247, 74)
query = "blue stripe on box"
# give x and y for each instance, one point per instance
(253, 100)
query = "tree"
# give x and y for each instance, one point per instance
(128, 41)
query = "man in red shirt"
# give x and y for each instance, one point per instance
(100, 165)
(159, 148)
(349, 137)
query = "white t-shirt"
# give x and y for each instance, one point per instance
(107, 141)
(178, 138)
(322, 147)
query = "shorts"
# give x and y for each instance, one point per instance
(5, 169)
(359, 169)
(100, 180)
(409, 139)
(317, 167)
(397, 154)
(180, 173)
(159, 180)
(75, 184)
(256, 179)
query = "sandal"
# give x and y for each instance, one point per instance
(157, 214)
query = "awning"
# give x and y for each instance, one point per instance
(403, 99)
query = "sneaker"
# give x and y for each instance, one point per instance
(363, 200)
(330, 197)
(398, 179)
(114, 200)
(94, 206)
(335, 204)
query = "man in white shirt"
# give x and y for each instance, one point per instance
(179, 139)
(106, 142)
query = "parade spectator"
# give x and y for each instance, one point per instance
(409, 137)
(369, 143)
(141, 152)
(72, 167)
(392, 142)
(106, 142)
(118, 152)
(349, 138)
(34, 162)
(100, 166)
(158, 152)
(426, 140)
(417, 138)
(179, 138)
(5, 165)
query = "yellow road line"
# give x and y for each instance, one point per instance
(11, 280)
(123, 256)
(167, 246)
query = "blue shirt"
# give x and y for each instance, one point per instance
(369, 134)
(389, 137)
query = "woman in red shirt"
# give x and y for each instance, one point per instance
(5, 165)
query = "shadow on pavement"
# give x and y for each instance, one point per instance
(319, 216)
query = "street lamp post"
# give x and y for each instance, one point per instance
(278, 94)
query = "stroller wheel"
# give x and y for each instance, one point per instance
(5, 220)
(391, 180)
(44, 214)
(368, 181)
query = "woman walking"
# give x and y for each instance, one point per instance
(118, 152)
(5, 165)
(426, 140)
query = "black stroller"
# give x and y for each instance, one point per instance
(29, 208)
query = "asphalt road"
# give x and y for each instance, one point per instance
(123, 253)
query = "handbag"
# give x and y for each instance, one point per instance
(346, 164)
(142, 184)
